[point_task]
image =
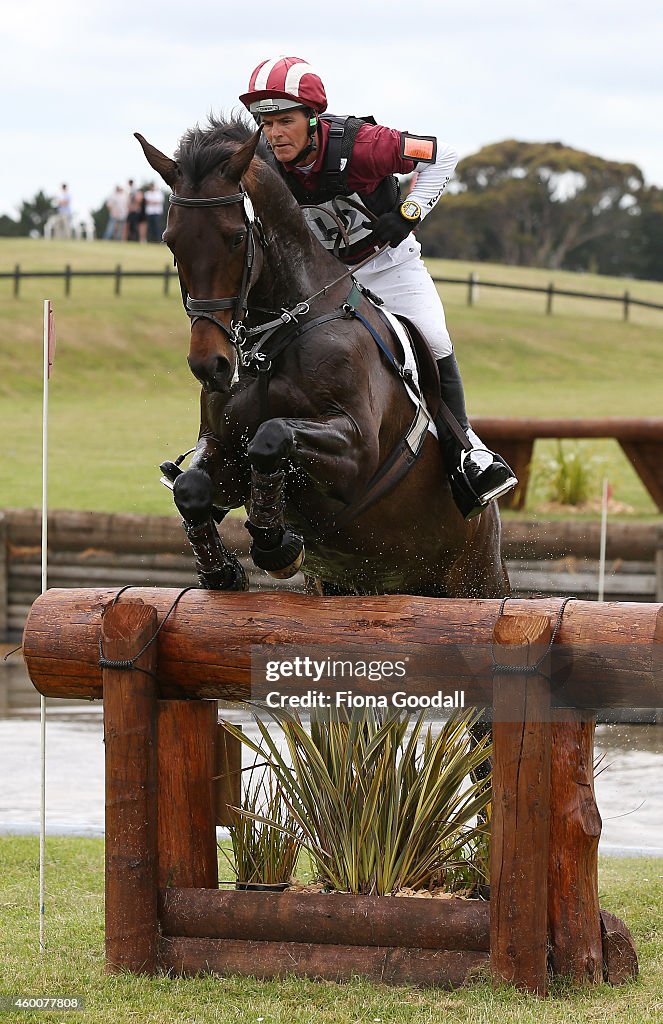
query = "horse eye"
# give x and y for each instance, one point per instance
(238, 239)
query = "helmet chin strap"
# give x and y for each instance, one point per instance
(312, 131)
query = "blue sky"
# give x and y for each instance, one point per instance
(78, 79)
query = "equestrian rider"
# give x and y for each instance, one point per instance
(347, 165)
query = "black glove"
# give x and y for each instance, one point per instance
(393, 228)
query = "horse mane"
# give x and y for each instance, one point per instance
(200, 151)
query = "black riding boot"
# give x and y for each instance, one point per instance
(476, 474)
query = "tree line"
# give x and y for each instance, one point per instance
(535, 204)
(540, 204)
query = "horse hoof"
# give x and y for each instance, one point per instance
(282, 562)
(227, 577)
(193, 493)
(290, 570)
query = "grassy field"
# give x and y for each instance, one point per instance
(122, 397)
(73, 962)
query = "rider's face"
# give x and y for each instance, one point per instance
(287, 134)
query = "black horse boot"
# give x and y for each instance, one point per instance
(477, 476)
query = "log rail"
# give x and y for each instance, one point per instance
(640, 439)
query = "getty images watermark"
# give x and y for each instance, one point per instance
(442, 678)
(315, 679)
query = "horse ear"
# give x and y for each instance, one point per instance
(161, 163)
(240, 160)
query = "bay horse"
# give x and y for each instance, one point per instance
(303, 414)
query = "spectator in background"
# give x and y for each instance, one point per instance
(118, 208)
(154, 212)
(134, 211)
(64, 216)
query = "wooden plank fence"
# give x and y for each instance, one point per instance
(104, 550)
(471, 283)
(641, 440)
(117, 275)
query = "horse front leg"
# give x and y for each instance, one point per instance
(193, 491)
(275, 548)
(328, 450)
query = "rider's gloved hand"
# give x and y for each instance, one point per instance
(393, 227)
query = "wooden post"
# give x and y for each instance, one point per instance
(627, 299)
(574, 917)
(166, 279)
(118, 279)
(131, 813)
(646, 457)
(228, 780)
(521, 805)
(187, 813)
(17, 280)
(549, 300)
(67, 280)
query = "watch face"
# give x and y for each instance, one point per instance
(411, 210)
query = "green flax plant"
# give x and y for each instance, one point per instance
(381, 806)
(569, 475)
(265, 838)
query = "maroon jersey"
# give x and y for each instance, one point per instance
(375, 155)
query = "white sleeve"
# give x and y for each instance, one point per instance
(432, 179)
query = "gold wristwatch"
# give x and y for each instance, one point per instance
(410, 210)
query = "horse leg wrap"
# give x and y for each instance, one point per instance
(217, 568)
(276, 548)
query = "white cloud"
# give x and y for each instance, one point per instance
(82, 79)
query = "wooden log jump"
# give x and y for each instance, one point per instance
(606, 654)
(641, 440)
(163, 801)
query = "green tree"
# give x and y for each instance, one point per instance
(652, 235)
(532, 203)
(9, 228)
(33, 213)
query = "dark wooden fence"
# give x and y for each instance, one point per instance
(118, 275)
(89, 549)
(641, 440)
(471, 282)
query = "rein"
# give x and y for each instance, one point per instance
(238, 334)
(285, 328)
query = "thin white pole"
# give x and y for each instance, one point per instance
(44, 585)
(604, 537)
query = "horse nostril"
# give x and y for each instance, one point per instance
(213, 373)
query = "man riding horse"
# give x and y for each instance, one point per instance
(342, 170)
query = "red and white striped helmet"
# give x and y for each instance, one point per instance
(283, 84)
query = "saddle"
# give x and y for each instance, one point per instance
(429, 378)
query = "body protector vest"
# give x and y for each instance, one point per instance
(332, 192)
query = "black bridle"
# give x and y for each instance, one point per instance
(202, 309)
(238, 334)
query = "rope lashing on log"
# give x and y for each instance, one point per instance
(535, 669)
(129, 664)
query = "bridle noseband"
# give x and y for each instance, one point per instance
(201, 309)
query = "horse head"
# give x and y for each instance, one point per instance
(210, 231)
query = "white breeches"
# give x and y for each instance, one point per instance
(399, 276)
